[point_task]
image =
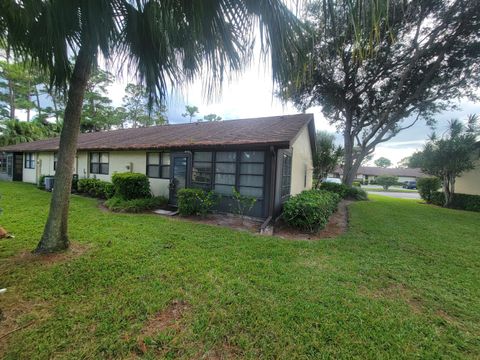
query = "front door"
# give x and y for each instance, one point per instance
(179, 177)
(17, 167)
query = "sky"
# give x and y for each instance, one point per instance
(251, 95)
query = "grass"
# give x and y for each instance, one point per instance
(402, 282)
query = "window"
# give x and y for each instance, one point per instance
(158, 165)
(202, 170)
(225, 172)
(29, 161)
(286, 175)
(3, 163)
(99, 163)
(251, 177)
(55, 158)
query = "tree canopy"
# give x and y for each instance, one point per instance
(383, 162)
(327, 156)
(378, 67)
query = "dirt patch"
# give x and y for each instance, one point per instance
(394, 292)
(224, 352)
(168, 318)
(18, 315)
(27, 257)
(337, 225)
(227, 220)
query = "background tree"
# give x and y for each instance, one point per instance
(386, 181)
(138, 112)
(383, 162)
(404, 163)
(327, 157)
(376, 68)
(448, 156)
(190, 112)
(97, 109)
(160, 41)
(212, 117)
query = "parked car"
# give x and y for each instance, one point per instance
(332, 180)
(412, 184)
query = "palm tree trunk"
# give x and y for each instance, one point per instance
(55, 236)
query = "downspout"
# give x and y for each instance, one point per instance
(266, 228)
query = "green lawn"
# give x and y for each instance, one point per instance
(402, 283)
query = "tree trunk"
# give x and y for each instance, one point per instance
(55, 235)
(37, 97)
(446, 190)
(11, 91)
(349, 172)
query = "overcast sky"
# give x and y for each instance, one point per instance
(250, 95)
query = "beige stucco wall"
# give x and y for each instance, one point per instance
(301, 161)
(469, 182)
(30, 175)
(118, 162)
(45, 163)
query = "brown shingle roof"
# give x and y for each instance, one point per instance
(274, 130)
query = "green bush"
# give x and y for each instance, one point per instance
(427, 186)
(459, 201)
(41, 182)
(345, 192)
(118, 204)
(386, 181)
(310, 210)
(339, 189)
(131, 185)
(96, 188)
(357, 184)
(355, 193)
(195, 201)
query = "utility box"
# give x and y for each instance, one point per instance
(49, 182)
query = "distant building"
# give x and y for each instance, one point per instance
(370, 173)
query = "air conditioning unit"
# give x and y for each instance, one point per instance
(49, 182)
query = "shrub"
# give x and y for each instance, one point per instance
(427, 186)
(243, 204)
(118, 204)
(310, 210)
(131, 185)
(355, 193)
(459, 201)
(339, 189)
(96, 188)
(386, 181)
(356, 184)
(41, 182)
(195, 201)
(344, 191)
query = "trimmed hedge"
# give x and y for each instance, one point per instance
(459, 201)
(131, 185)
(427, 186)
(310, 210)
(345, 192)
(96, 188)
(117, 204)
(193, 201)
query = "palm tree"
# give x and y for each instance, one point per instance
(162, 41)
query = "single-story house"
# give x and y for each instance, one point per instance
(469, 181)
(267, 158)
(370, 173)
